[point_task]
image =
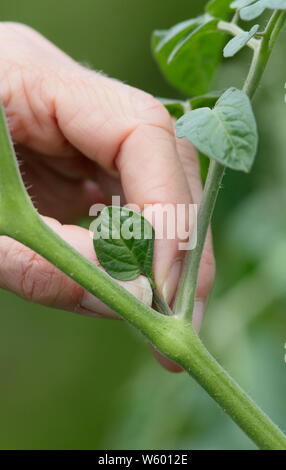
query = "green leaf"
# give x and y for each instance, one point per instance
(226, 133)
(124, 243)
(238, 42)
(254, 10)
(175, 107)
(175, 33)
(219, 9)
(197, 46)
(208, 25)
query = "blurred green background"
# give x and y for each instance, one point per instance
(68, 382)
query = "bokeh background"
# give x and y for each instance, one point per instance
(68, 382)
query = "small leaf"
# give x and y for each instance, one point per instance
(254, 10)
(209, 99)
(176, 108)
(124, 243)
(219, 9)
(238, 42)
(226, 133)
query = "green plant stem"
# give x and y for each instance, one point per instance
(160, 303)
(173, 337)
(261, 55)
(234, 401)
(185, 298)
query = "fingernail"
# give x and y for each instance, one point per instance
(92, 306)
(198, 313)
(171, 283)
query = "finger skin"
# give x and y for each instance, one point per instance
(30, 276)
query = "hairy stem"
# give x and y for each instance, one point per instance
(185, 299)
(234, 401)
(173, 337)
(160, 303)
(262, 55)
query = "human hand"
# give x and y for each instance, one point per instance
(82, 137)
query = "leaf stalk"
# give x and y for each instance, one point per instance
(235, 30)
(184, 303)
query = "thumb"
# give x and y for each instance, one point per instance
(30, 276)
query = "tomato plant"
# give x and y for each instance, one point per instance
(222, 126)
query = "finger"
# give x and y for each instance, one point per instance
(190, 162)
(134, 136)
(160, 187)
(29, 275)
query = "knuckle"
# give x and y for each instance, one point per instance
(17, 72)
(37, 277)
(38, 281)
(30, 276)
(43, 283)
(24, 96)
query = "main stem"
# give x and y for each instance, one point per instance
(173, 337)
(185, 299)
(234, 401)
(262, 55)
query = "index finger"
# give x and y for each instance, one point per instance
(125, 129)
(152, 175)
(131, 132)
